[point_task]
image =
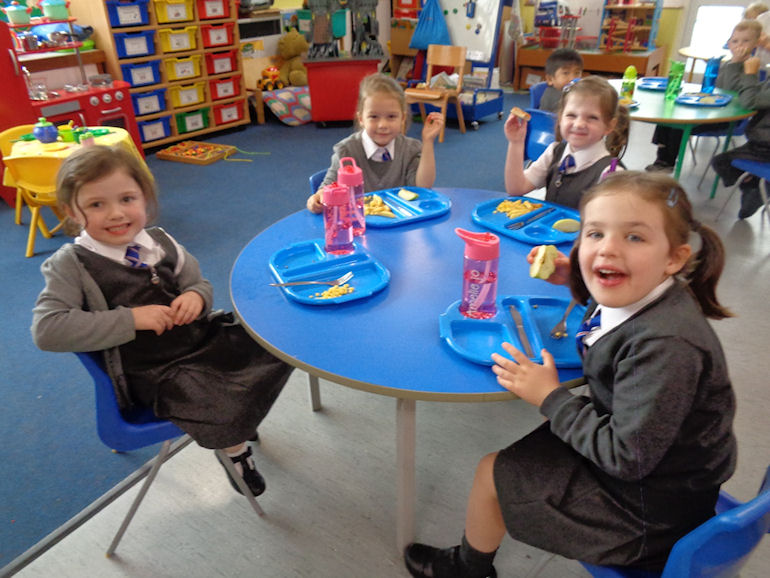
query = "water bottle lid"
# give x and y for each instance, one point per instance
(349, 172)
(480, 246)
(334, 195)
(630, 72)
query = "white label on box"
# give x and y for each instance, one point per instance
(148, 104)
(176, 12)
(214, 8)
(179, 41)
(135, 46)
(222, 65)
(142, 75)
(532, 79)
(218, 36)
(129, 15)
(188, 96)
(184, 69)
(225, 89)
(153, 131)
(229, 114)
(194, 122)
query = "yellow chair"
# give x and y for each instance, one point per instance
(439, 55)
(35, 177)
(6, 144)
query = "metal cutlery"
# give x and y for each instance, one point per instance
(560, 329)
(530, 219)
(339, 281)
(519, 322)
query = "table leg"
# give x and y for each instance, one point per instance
(315, 392)
(406, 425)
(687, 130)
(728, 138)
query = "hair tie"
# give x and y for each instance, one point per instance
(673, 197)
(570, 84)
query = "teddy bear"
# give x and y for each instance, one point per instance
(291, 46)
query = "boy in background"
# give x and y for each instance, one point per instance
(563, 65)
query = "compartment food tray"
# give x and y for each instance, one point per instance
(703, 99)
(658, 83)
(538, 232)
(428, 205)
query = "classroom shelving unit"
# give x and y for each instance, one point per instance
(629, 26)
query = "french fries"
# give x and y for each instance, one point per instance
(522, 114)
(514, 209)
(335, 291)
(375, 206)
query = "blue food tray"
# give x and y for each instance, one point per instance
(477, 339)
(536, 233)
(307, 261)
(699, 99)
(633, 105)
(658, 83)
(429, 205)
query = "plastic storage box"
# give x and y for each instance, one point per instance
(154, 129)
(214, 35)
(227, 113)
(221, 62)
(192, 121)
(225, 87)
(135, 44)
(208, 9)
(183, 68)
(187, 94)
(141, 74)
(177, 39)
(132, 13)
(149, 102)
(172, 11)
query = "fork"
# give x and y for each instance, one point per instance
(339, 281)
(560, 329)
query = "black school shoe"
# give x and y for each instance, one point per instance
(751, 202)
(253, 479)
(659, 166)
(425, 561)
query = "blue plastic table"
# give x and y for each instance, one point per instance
(388, 343)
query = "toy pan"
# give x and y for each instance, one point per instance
(701, 99)
(658, 83)
(477, 339)
(428, 205)
(537, 232)
(308, 261)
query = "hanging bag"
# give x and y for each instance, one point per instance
(431, 27)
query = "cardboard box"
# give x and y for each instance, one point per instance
(531, 76)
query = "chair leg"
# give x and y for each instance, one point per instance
(159, 459)
(732, 192)
(228, 463)
(460, 118)
(765, 194)
(442, 110)
(19, 207)
(705, 170)
(33, 226)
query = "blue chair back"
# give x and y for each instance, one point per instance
(541, 131)
(738, 130)
(315, 180)
(718, 548)
(123, 432)
(756, 168)
(536, 94)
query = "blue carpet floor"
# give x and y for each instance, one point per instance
(52, 460)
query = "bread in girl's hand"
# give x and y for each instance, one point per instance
(522, 114)
(543, 266)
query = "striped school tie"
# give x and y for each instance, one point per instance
(384, 155)
(567, 163)
(132, 256)
(585, 329)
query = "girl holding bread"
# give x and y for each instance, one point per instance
(591, 132)
(617, 474)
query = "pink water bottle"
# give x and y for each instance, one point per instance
(338, 224)
(482, 254)
(350, 174)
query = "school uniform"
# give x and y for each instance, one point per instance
(208, 377)
(550, 99)
(618, 475)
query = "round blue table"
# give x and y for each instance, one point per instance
(388, 343)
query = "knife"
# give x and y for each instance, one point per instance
(520, 330)
(530, 219)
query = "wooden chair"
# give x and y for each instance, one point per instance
(439, 55)
(6, 145)
(35, 177)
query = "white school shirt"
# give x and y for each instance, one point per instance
(614, 316)
(538, 170)
(150, 251)
(371, 147)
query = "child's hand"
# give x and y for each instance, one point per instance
(740, 53)
(531, 381)
(187, 307)
(561, 274)
(432, 127)
(157, 318)
(314, 204)
(515, 128)
(751, 66)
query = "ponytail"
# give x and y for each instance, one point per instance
(704, 271)
(617, 140)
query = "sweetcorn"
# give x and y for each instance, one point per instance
(514, 209)
(332, 292)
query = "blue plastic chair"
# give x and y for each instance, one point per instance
(541, 131)
(536, 94)
(315, 180)
(738, 130)
(137, 429)
(718, 548)
(758, 169)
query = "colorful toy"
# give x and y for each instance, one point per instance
(198, 153)
(270, 79)
(291, 46)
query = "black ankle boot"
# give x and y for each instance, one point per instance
(254, 480)
(425, 561)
